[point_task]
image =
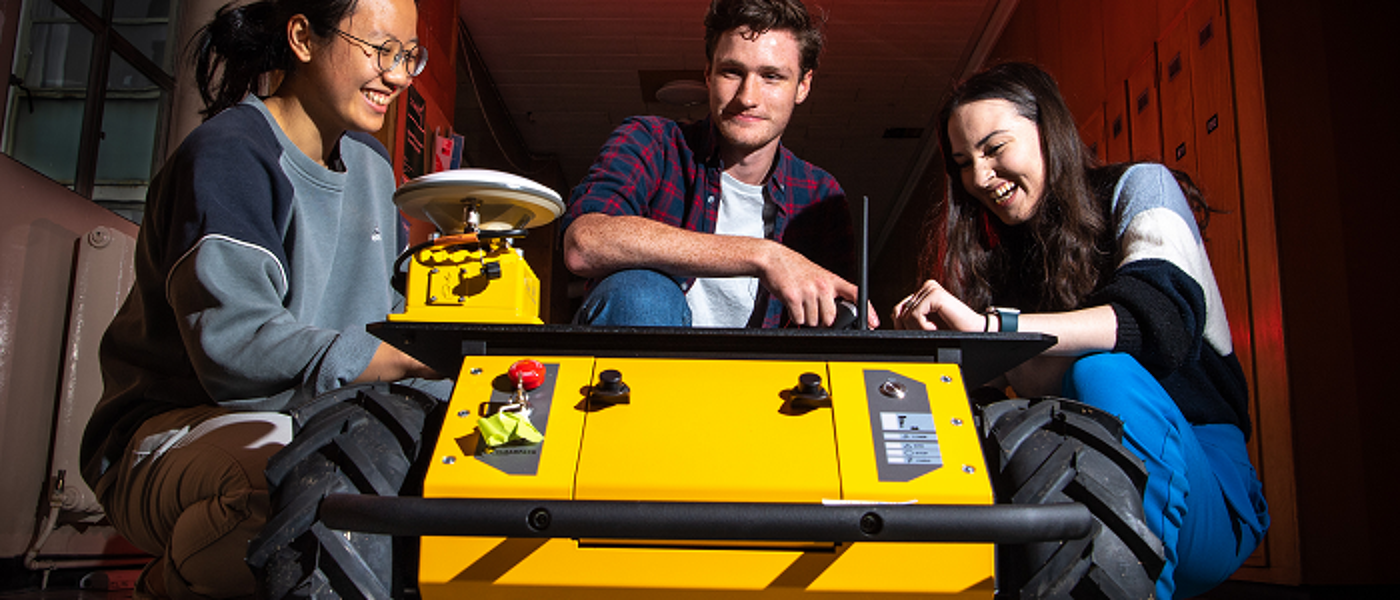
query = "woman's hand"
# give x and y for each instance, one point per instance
(391, 364)
(933, 307)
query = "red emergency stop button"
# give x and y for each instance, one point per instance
(528, 373)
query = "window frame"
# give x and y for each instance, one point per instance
(106, 41)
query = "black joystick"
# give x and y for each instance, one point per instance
(846, 315)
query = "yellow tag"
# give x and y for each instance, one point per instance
(506, 427)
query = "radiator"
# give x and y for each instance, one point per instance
(103, 274)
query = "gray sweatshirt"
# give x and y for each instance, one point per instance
(256, 272)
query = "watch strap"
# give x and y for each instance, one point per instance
(1008, 319)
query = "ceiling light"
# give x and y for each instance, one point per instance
(683, 92)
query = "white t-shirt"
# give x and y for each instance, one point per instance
(728, 301)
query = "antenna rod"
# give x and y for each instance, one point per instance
(863, 247)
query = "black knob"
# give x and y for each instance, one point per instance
(610, 380)
(611, 389)
(809, 392)
(491, 270)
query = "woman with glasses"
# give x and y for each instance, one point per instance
(268, 243)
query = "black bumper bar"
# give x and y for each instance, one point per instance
(706, 521)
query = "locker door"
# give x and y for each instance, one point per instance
(1218, 166)
(1174, 67)
(1092, 132)
(1218, 175)
(1117, 146)
(1144, 119)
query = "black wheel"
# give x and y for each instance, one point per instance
(367, 439)
(1054, 450)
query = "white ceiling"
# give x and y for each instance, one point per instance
(568, 72)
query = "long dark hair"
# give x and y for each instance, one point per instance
(762, 16)
(1058, 257)
(233, 51)
(1052, 261)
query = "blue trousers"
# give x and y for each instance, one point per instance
(636, 297)
(1203, 498)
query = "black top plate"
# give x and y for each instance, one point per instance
(982, 356)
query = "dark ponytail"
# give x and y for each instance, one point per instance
(232, 52)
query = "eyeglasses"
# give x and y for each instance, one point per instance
(389, 55)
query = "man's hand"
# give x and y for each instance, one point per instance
(597, 245)
(807, 290)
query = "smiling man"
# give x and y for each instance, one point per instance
(715, 223)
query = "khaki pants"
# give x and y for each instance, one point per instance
(190, 490)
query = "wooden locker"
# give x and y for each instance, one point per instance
(1217, 170)
(1092, 132)
(1174, 72)
(1218, 174)
(1144, 118)
(1117, 144)
(1081, 74)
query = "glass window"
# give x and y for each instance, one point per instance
(46, 115)
(113, 159)
(131, 124)
(146, 24)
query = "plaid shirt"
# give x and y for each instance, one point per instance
(668, 172)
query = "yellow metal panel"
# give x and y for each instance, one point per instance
(961, 478)
(895, 567)
(708, 430)
(564, 563)
(444, 559)
(712, 431)
(457, 472)
(492, 567)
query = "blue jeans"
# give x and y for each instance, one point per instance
(1203, 498)
(636, 297)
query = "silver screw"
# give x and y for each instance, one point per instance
(946, 379)
(463, 413)
(447, 460)
(476, 371)
(957, 421)
(969, 469)
(893, 389)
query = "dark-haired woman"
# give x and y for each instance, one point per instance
(268, 243)
(1034, 236)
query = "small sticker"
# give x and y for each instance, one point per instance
(912, 454)
(894, 421)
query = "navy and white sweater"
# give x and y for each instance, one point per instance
(1171, 317)
(257, 270)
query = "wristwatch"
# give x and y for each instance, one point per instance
(1006, 318)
